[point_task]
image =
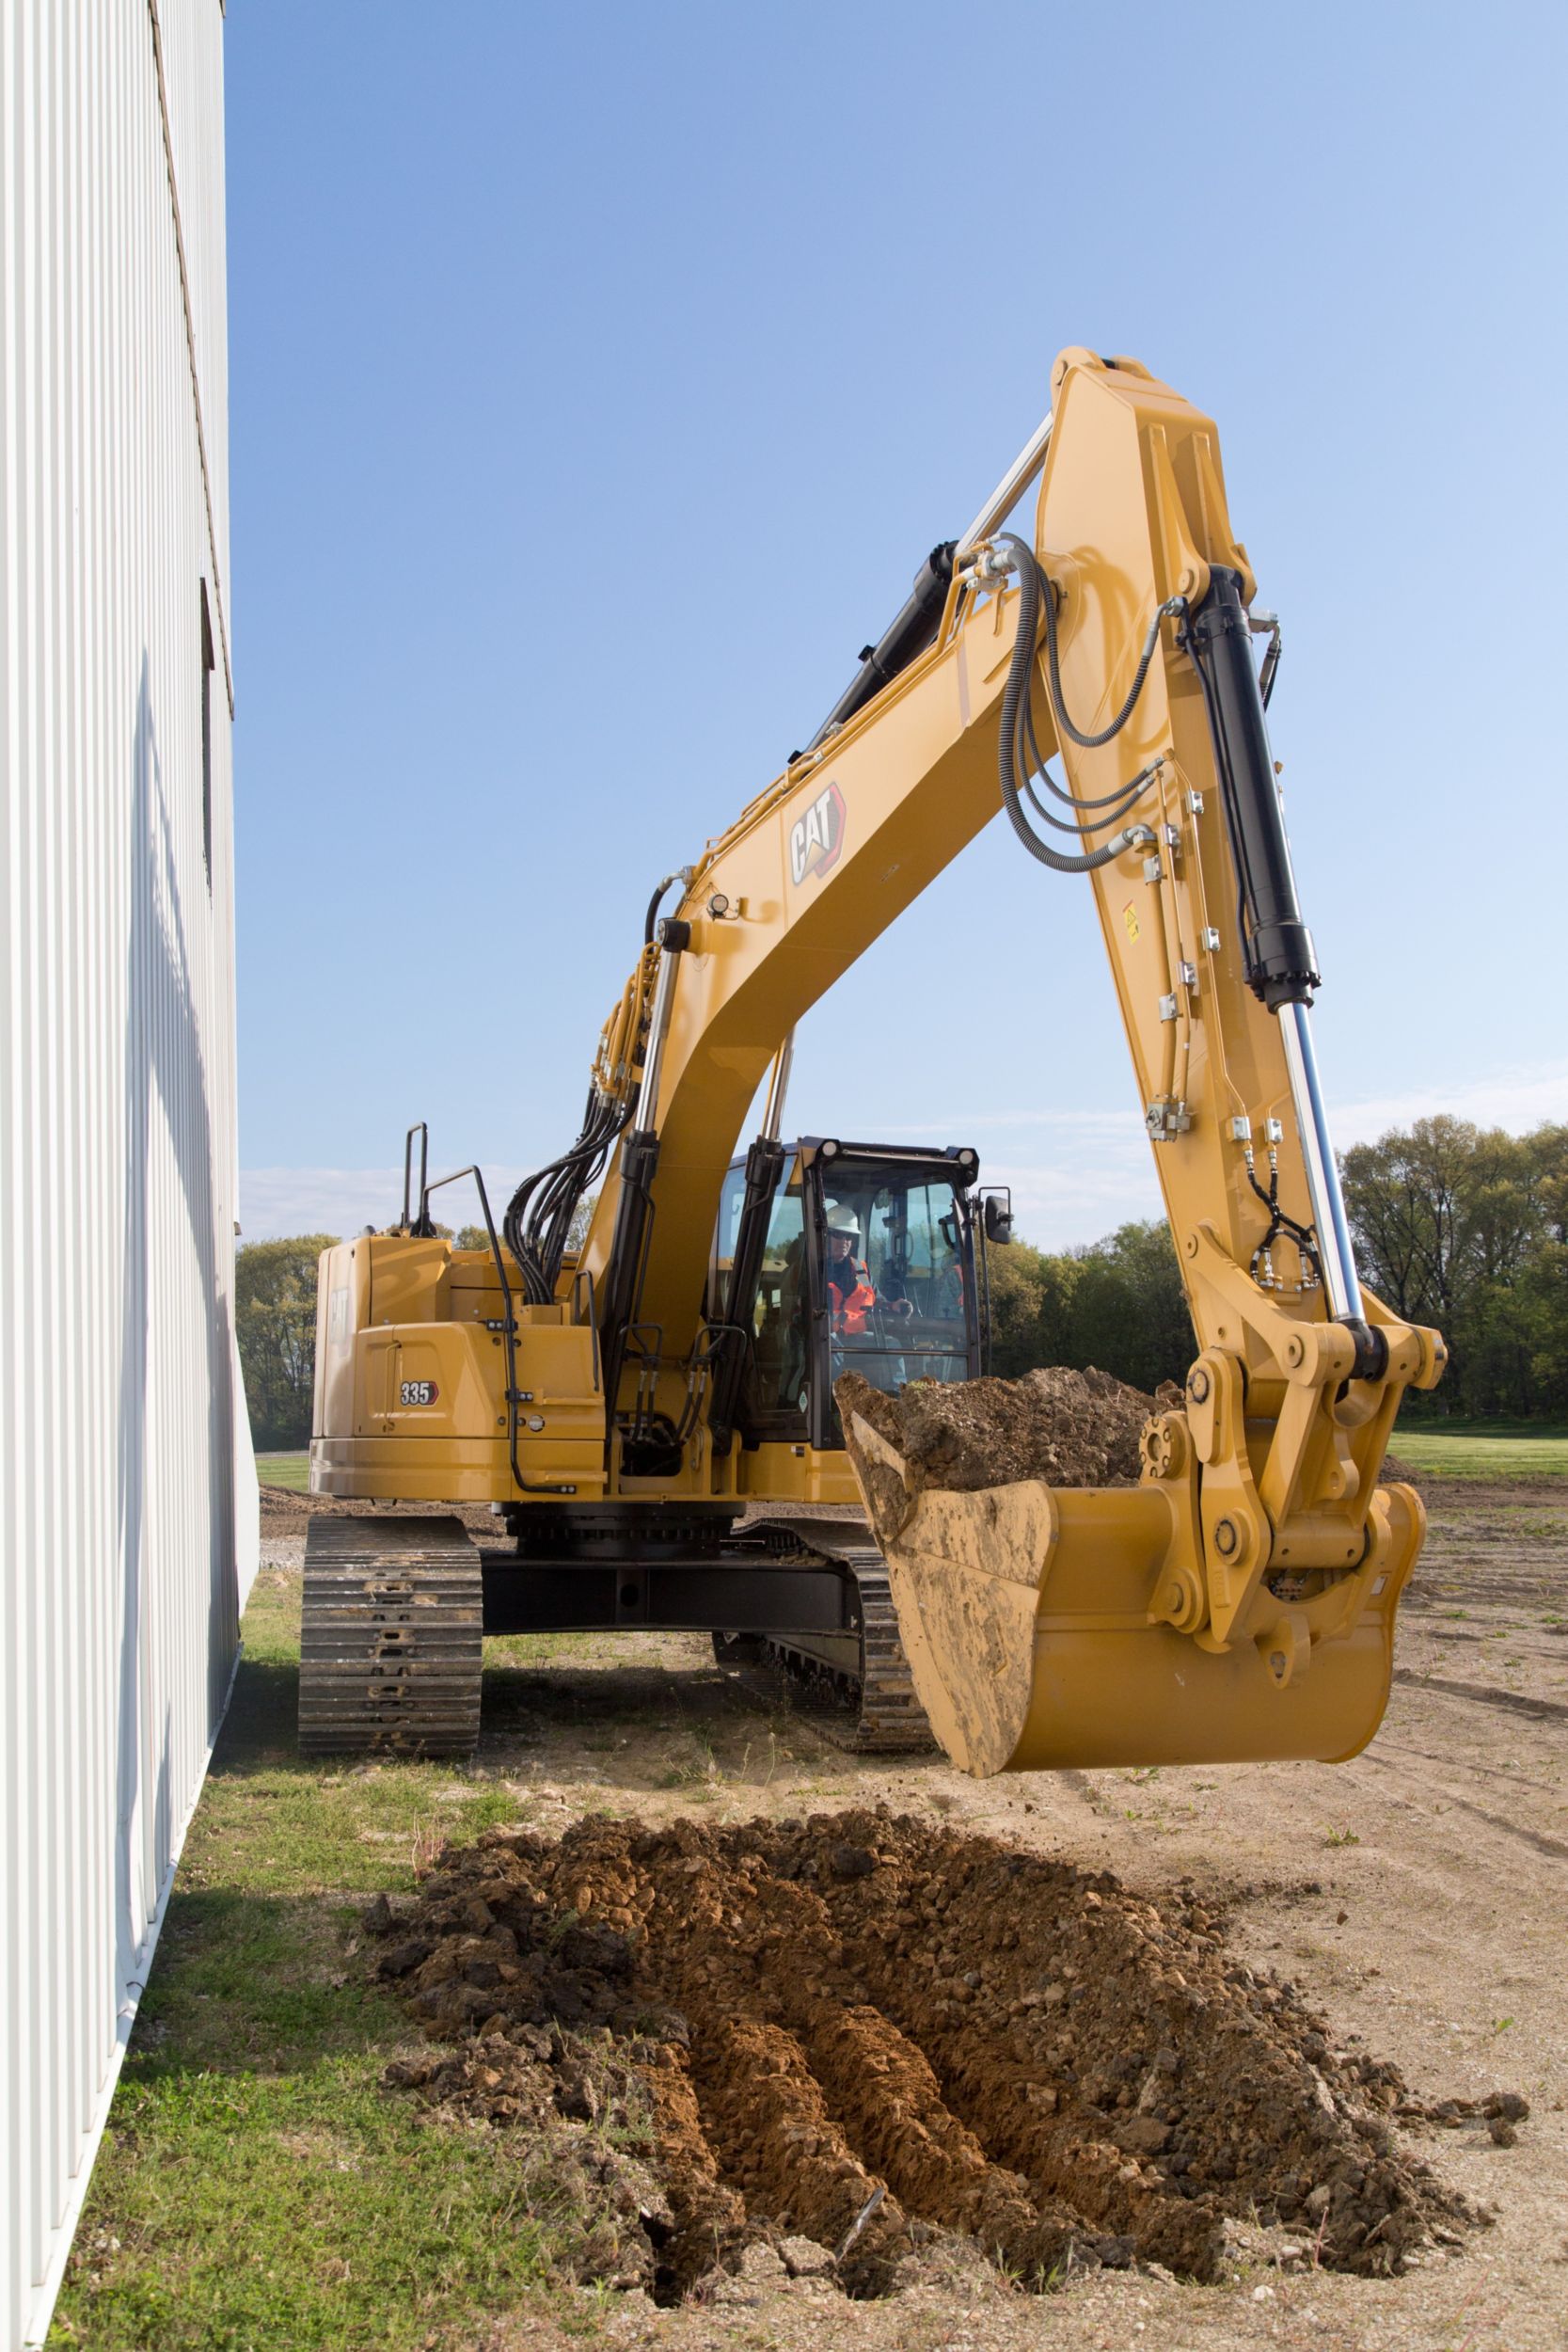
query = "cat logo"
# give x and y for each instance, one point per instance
(816, 839)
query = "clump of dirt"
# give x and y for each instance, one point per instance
(859, 2030)
(1072, 1428)
(579, 2099)
(581, 2114)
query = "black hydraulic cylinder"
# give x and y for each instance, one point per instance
(628, 1248)
(1281, 964)
(896, 647)
(762, 1163)
(621, 1292)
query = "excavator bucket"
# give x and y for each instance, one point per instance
(1034, 1621)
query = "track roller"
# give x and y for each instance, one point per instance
(863, 1674)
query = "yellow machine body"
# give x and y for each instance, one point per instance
(1241, 1602)
(411, 1396)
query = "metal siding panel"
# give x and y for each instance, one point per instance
(118, 1149)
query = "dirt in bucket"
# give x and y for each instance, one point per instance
(1071, 1428)
(850, 2033)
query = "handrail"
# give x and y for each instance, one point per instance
(509, 1325)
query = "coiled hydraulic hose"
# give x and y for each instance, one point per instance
(1018, 729)
(1112, 800)
(1092, 742)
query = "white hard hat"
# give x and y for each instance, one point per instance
(843, 1220)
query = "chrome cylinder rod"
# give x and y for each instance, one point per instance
(659, 1029)
(778, 1086)
(1340, 1280)
(1000, 505)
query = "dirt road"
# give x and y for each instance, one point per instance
(1418, 1898)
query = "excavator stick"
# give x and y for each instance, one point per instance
(1239, 1603)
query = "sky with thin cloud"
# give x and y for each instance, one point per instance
(598, 381)
(1075, 1175)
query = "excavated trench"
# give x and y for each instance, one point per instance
(860, 2029)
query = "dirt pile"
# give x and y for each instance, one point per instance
(859, 2022)
(1072, 1428)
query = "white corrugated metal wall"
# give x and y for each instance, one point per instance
(120, 1443)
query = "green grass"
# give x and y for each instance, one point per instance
(1451, 1449)
(256, 2187)
(1470, 1449)
(285, 1469)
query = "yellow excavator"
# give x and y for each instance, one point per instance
(650, 1414)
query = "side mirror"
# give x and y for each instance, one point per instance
(997, 1213)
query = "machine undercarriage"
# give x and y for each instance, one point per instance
(396, 1611)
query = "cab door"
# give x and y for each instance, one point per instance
(779, 1317)
(775, 1317)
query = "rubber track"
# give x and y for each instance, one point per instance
(889, 1718)
(392, 1638)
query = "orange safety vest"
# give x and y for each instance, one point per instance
(852, 1307)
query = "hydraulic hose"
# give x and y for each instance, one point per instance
(1014, 710)
(1053, 671)
(538, 1219)
(1124, 800)
(654, 905)
(1112, 800)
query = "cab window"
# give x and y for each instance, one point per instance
(731, 1199)
(899, 1309)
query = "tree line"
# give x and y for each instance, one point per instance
(1459, 1226)
(1466, 1228)
(1116, 1303)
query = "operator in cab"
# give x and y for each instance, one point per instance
(851, 1295)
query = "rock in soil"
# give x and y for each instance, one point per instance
(1071, 1428)
(947, 2036)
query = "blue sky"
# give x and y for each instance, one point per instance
(600, 377)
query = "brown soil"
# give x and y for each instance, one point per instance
(286, 1511)
(1072, 1428)
(864, 2019)
(581, 2125)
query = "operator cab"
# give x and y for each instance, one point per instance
(865, 1262)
